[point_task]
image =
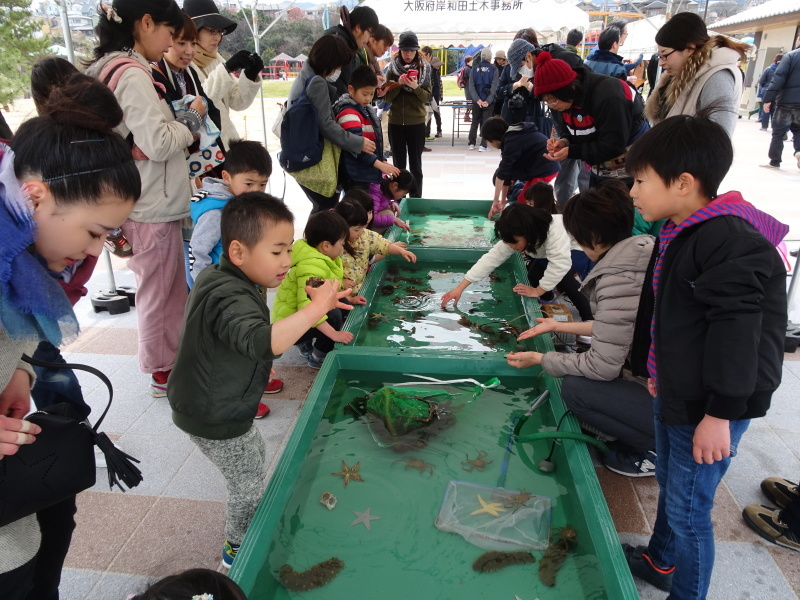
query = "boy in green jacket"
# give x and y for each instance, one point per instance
(227, 347)
(315, 256)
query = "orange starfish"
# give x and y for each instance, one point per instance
(349, 473)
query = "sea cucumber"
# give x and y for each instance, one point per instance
(494, 561)
(317, 576)
(556, 554)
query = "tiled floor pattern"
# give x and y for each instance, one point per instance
(174, 519)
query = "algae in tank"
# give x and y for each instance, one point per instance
(406, 310)
(463, 230)
(380, 539)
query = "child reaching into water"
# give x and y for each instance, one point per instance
(539, 235)
(228, 345)
(362, 243)
(318, 255)
(385, 196)
(709, 335)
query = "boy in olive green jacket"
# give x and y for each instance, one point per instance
(227, 347)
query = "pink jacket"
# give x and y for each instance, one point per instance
(379, 203)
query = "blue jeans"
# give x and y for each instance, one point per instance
(54, 386)
(683, 535)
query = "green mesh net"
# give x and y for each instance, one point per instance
(403, 410)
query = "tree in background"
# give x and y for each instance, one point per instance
(293, 35)
(19, 49)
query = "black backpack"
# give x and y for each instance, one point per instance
(301, 140)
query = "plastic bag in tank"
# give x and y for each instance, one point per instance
(495, 518)
(404, 409)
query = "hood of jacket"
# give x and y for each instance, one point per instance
(733, 204)
(301, 252)
(631, 255)
(216, 188)
(343, 101)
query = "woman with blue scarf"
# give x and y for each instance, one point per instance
(56, 207)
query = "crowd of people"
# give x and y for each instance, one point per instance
(676, 359)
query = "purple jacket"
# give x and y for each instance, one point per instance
(379, 203)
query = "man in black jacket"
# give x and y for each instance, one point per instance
(784, 90)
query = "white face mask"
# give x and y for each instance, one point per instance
(526, 71)
(334, 76)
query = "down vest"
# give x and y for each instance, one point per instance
(307, 262)
(613, 287)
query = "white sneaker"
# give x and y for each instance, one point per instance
(471, 147)
(483, 149)
(797, 156)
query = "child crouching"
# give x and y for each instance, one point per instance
(362, 243)
(227, 347)
(318, 255)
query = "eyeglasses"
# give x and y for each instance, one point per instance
(213, 31)
(552, 101)
(664, 57)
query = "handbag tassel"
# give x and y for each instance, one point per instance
(120, 465)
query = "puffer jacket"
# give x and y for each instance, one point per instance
(307, 262)
(165, 175)
(556, 249)
(613, 287)
(606, 62)
(785, 85)
(224, 357)
(227, 93)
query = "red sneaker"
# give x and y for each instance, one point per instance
(274, 386)
(263, 410)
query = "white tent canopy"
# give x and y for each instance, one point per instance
(641, 37)
(477, 21)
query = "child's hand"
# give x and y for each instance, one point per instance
(394, 208)
(357, 300)
(454, 294)
(409, 256)
(523, 360)
(327, 294)
(526, 290)
(348, 283)
(545, 325)
(712, 440)
(402, 245)
(385, 167)
(401, 224)
(343, 337)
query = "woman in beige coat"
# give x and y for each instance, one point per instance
(131, 35)
(597, 387)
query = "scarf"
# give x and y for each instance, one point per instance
(397, 68)
(202, 58)
(33, 306)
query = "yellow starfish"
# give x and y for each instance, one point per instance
(349, 473)
(494, 509)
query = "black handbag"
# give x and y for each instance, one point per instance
(60, 463)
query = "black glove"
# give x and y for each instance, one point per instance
(254, 67)
(238, 61)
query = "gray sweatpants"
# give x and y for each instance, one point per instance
(242, 461)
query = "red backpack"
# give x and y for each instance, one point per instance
(460, 77)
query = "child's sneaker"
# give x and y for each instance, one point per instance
(780, 491)
(315, 360)
(263, 410)
(641, 566)
(274, 386)
(766, 522)
(631, 464)
(429, 138)
(117, 244)
(158, 384)
(229, 551)
(304, 348)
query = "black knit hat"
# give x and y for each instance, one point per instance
(408, 41)
(681, 31)
(205, 13)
